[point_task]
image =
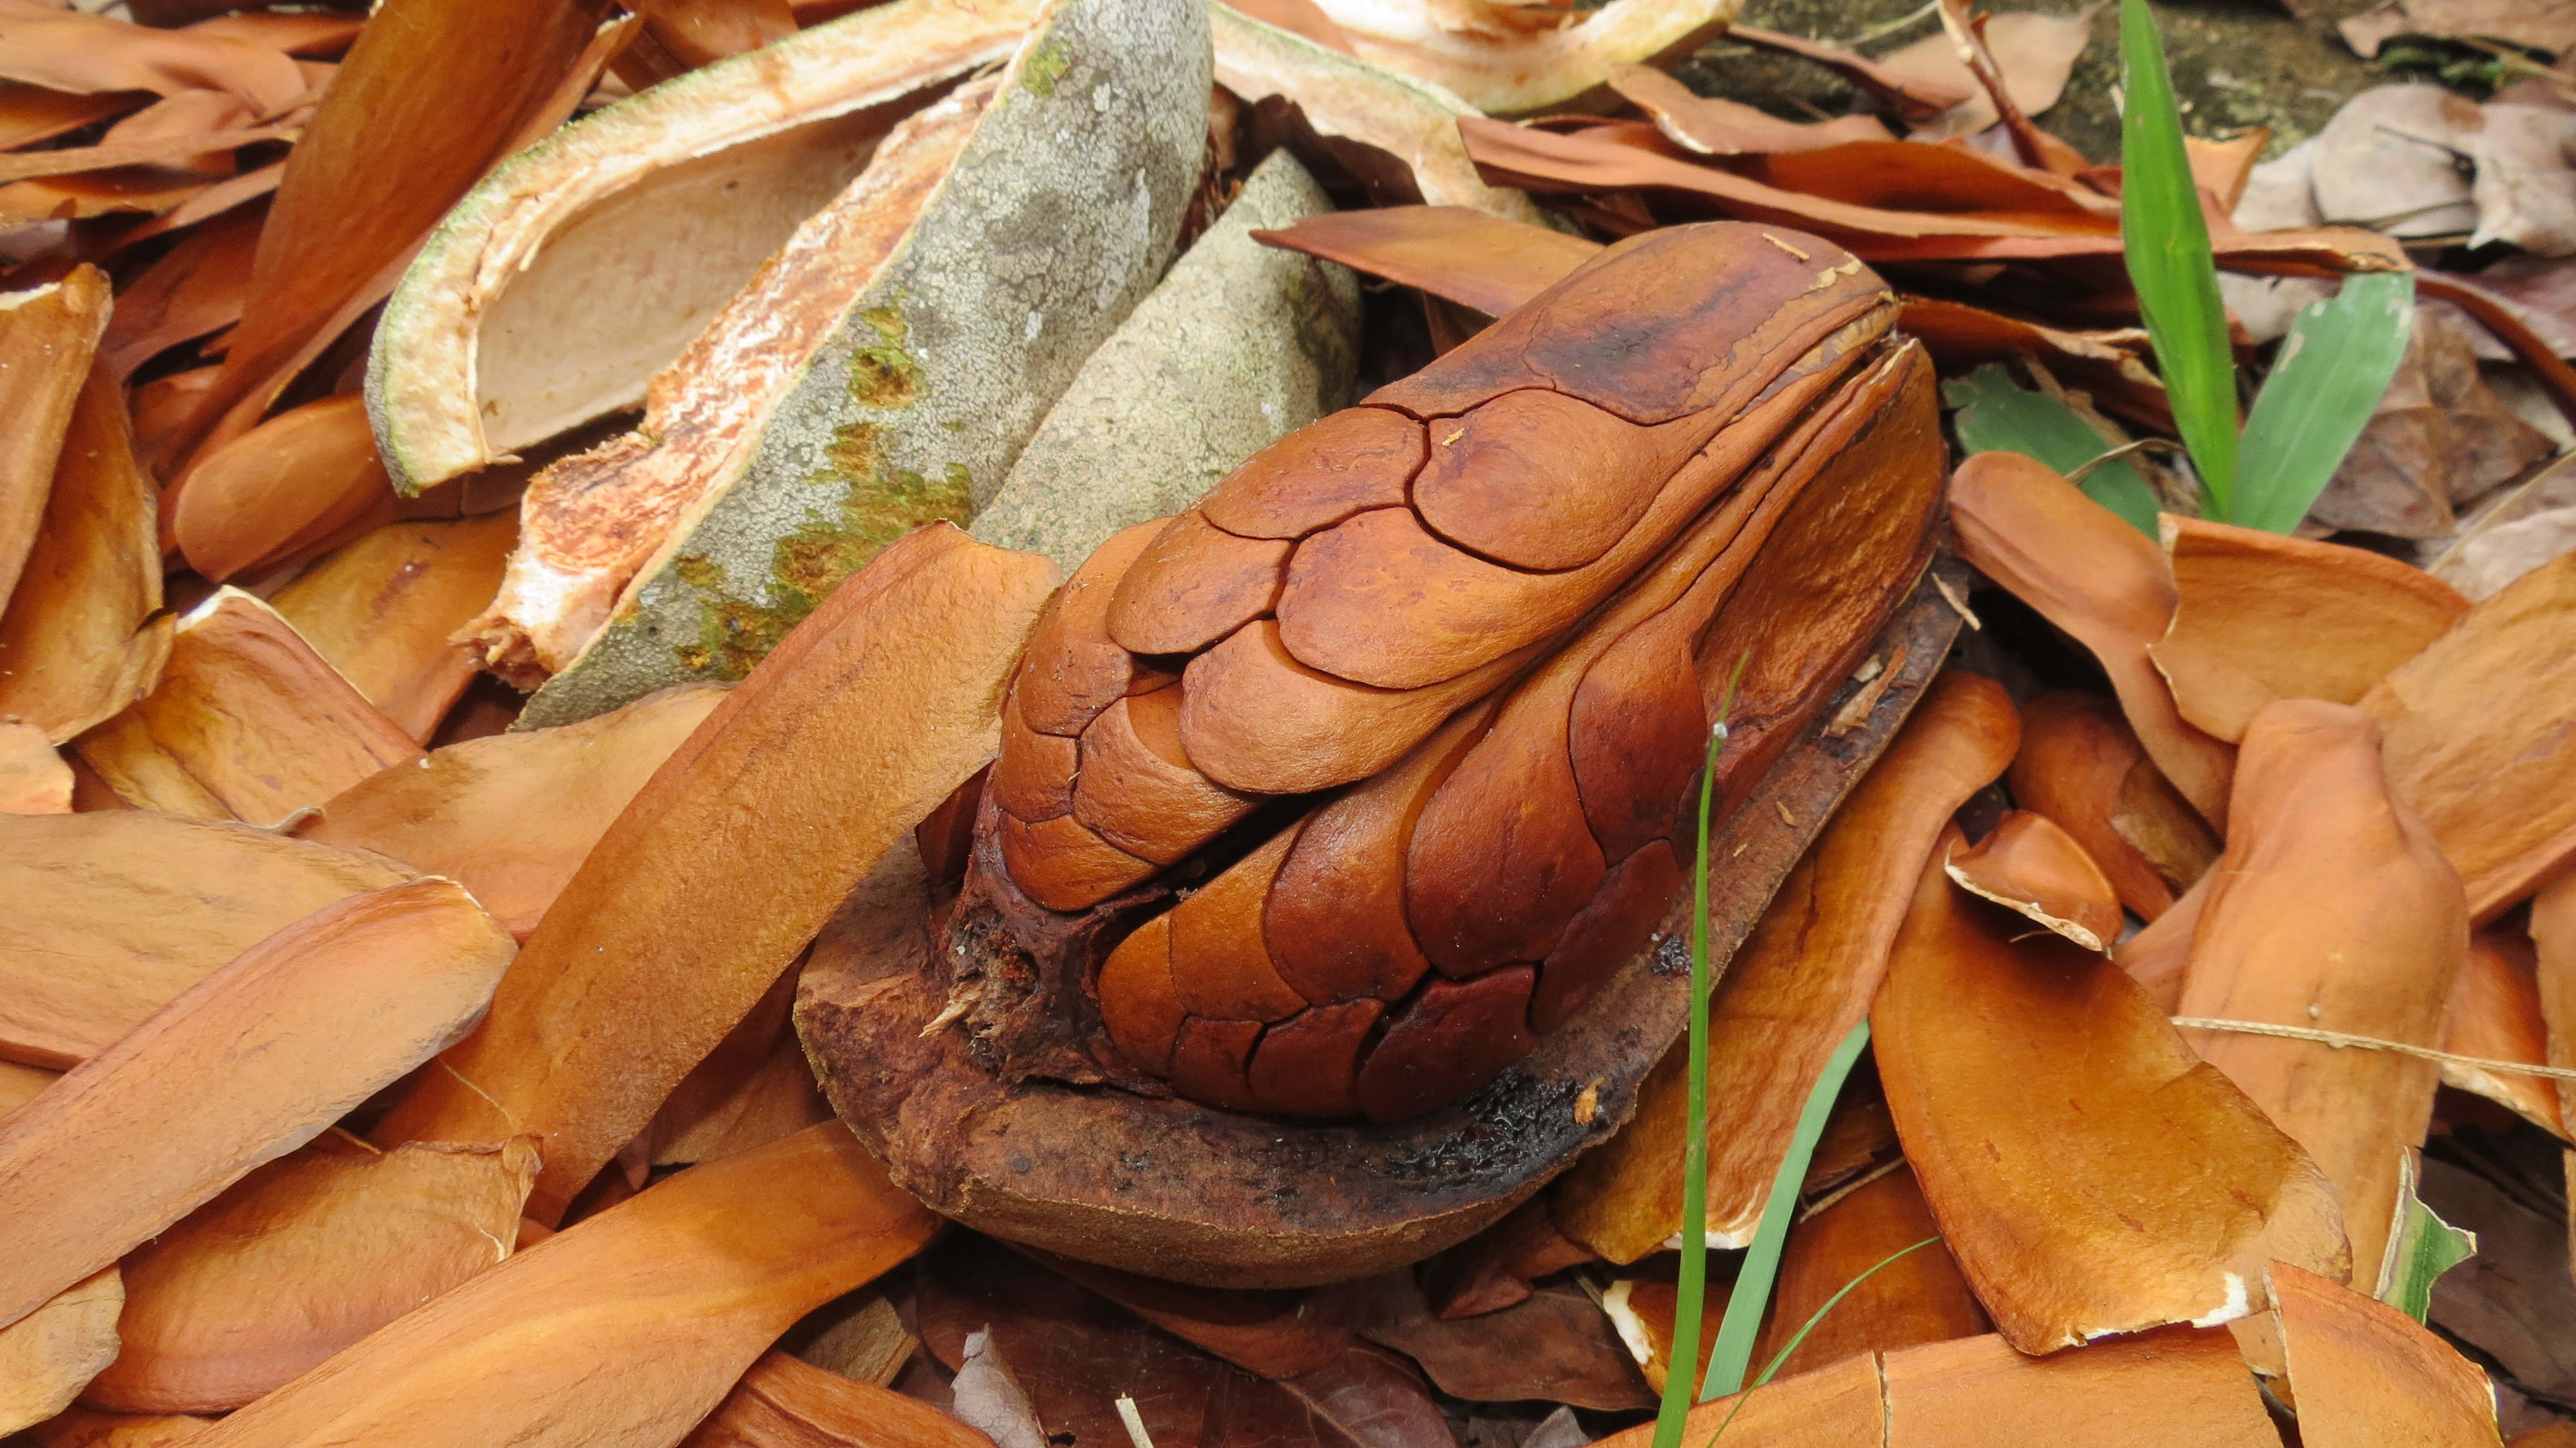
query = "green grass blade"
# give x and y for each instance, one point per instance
(1690, 1291)
(1998, 415)
(2423, 1248)
(1743, 1321)
(1773, 1369)
(2326, 381)
(2167, 242)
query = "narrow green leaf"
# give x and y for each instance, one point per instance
(2167, 243)
(1734, 1354)
(1690, 1292)
(1998, 415)
(1773, 1369)
(2423, 1248)
(2326, 381)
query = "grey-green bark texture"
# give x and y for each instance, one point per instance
(1239, 346)
(1059, 216)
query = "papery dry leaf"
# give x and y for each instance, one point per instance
(47, 335)
(301, 1258)
(618, 1332)
(34, 779)
(2100, 580)
(318, 34)
(2483, 563)
(284, 486)
(1919, 1298)
(1272, 1333)
(2031, 865)
(169, 152)
(2384, 161)
(2509, 1299)
(1066, 1345)
(1470, 257)
(2438, 439)
(2105, 362)
(382, 608)
(226, 1077)
(752, 1089)
(2156, 956)
(2259, 616)
(2496, 1014)
(430, 96)
(82, 1428)
(2331, 909)
(2089, 1173)
(2536, 23)
(1713, 126)
(2367, 1375)
(1344, 98)
(2077, 759)
(855, 727)
(1913, 98)
(2498, 687)
(196, 289)
(2152, 1390)
(1494, 1269)
(1517, 59)
(46, 1356)
(2553, 940)
(246, 723)
(87, 53)
(784, 1403)
(19, 1084)
(1794, 989)
(115, 913)
(29, 113)
(2034, 51)
(78, 641)
(1554, 1345)
(512, 816)
(698, 31)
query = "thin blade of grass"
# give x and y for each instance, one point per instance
(1691, 1289)
(2168, 253)
(1743, 1322)
(2325, 382)
(1998, 415)
(1772, 1369)
(2422, 1249)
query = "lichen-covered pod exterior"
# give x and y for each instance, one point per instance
(1333, 795)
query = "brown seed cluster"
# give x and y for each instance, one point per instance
(1413, 696)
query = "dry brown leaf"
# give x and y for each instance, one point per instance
(196, 289)
(199, 151)
(618, 1332)
(382, 608)
(47, 335)
(82, 1428)
(2031, 865)
(2500, 686)
(2082, 766)
(1919, 1298)
(2538, 23)
(512, 816)
(2369, 1376)
(1912, 98)
(2105, 362)
(301, 1258)
(90, 53)
(2155, 956)
(1713, 126)
(230, 1075)
(320, 34)
(2034, 51)
(1470, 257)
(47, 1355)
(280, 488)
(855, 727)
(1505, 58)
(114, 913)
(2089, 1173)
(2157, 1389)
(2331, 909)
(2553, 940)
(78, 641)
(247, 723)
(33, 777)
(19, 1084)
(784, 1403)
(2100, 580)
(1795, 988)
(2496, 1015)
(429, 97)
(695, 32)
(30, 113)
(751, 1090)
(2260, 617)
